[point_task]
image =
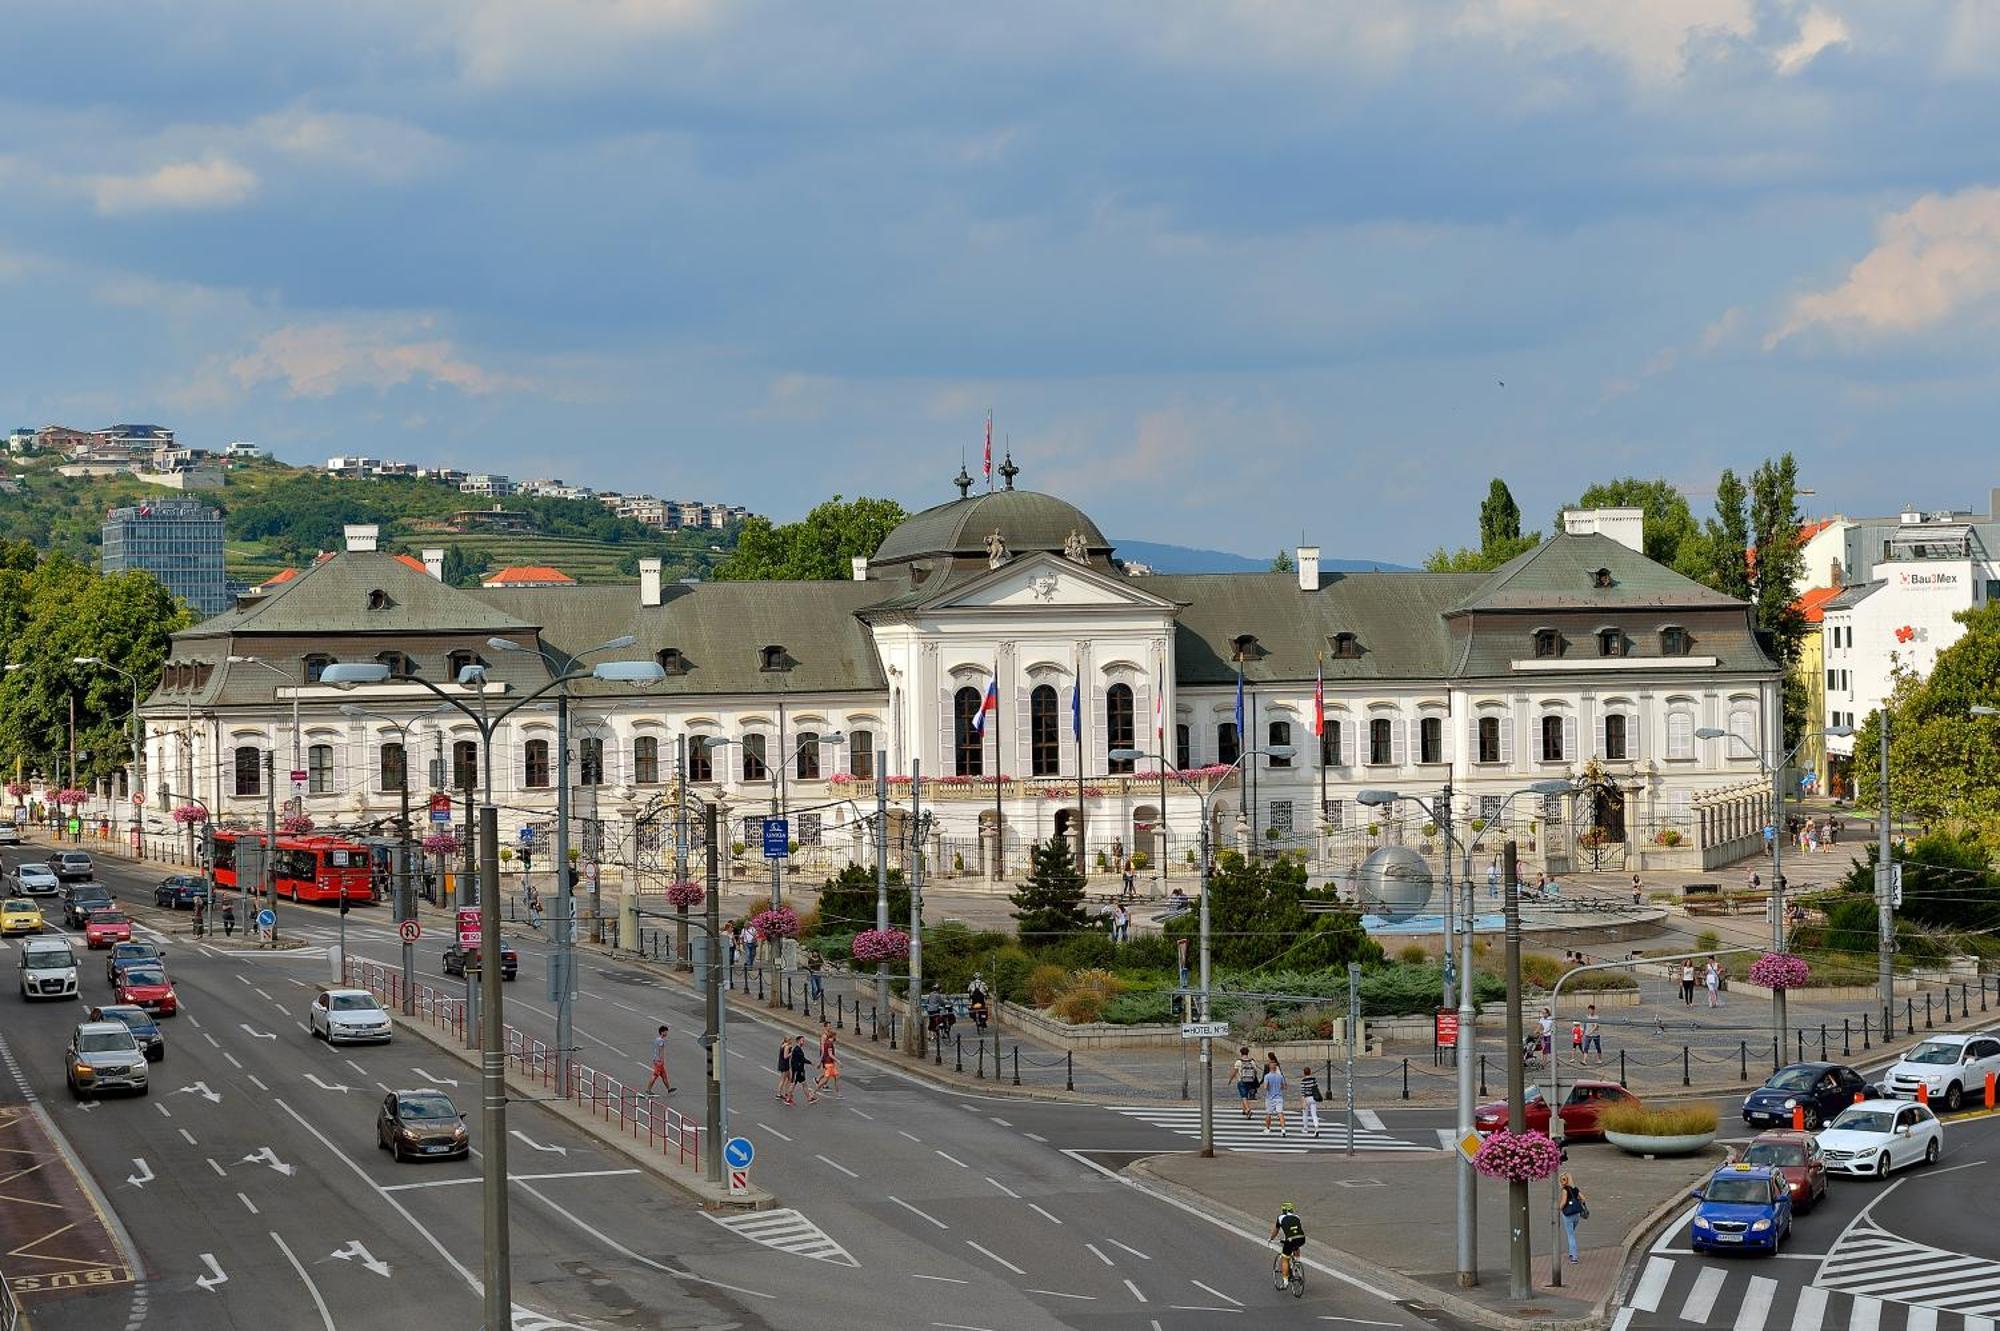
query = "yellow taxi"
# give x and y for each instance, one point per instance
(19, 917)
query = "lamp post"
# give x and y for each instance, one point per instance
(1776, 771)
(1468, 1016)
(138, 757)
(406, 906)
(498, 1290)
(1203, 797)
(833, 737)
(285, 675)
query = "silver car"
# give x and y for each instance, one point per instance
(34, 880)
(105, 1056)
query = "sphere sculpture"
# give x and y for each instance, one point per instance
(1394, 883)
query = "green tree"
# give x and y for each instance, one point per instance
(1500, 536)
(1499, 516)
(464, 566)
(1948, 883)
(1672, 536)
(1282, 562)
(1944, 763)
(1726, 540)
(1049, 904)
(1774, 523)
(819, 547)
(1257, 917)
(847, 901)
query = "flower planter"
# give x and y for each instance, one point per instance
(1638, 1144)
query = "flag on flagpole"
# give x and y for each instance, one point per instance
(989, 450)
(1319, 696)
(987, 705)
(1239, 700)
(1159, 699)
(1076, 702)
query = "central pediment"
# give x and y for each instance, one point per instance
(1047, 581)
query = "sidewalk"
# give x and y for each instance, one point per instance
(1403, 1238)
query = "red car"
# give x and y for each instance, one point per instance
(147, 987)
(105, 927)
(1797, 1156)
(1579, 1109)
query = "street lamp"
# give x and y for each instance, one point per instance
(1777, 774)
(285, 675)
(1468, 1016)
(138, 759)
(834, 737)
(1203, 796)
(498, 1293)
(406, 906)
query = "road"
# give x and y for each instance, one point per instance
(244, 1190)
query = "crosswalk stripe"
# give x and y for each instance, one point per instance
(1646, 1298)
(1810, 1315)
(1369, 1119)
(1756, 1304)
(1979, 1324)
(1248, 1135)
(1701, 1299)
(1867, 1315)
(1921, 1319)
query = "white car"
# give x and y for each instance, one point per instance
(345, 1016)
(1948, 1067)
(1872, 1137)
(10, 835)
(35, 880)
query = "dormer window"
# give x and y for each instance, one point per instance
(379, 599)
(399, 663)
(1611, 642)
(1600, 577)
(316, 665)
(1346, 647)
(1246, 646)
(773, 658)
(1548, 643)
(671, 660)
(1674, 641)
(459, 662)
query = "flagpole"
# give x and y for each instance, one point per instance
(1319, 730)
(999, 834)
(1076, 728)
(1160, 747)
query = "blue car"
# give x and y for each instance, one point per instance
(1819, 1090)
(1742, 1206)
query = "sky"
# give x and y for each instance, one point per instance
(1228, 274)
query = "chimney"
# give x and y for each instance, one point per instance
(361, 537)
(1627, 526)
(1308, 561)
(434, 564)
(649, 582)
(859, 563)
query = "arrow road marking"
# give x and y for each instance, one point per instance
(200, 1088)
(142, 1175)
(527, 1140)
(209, 1282)
(256, 1034)
(86, 1105)
(343, 1089)
(354, 1251)
(267, 1156)
(433, 1079)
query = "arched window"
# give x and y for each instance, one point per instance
(701, 759)
(1280, 733)
(394, 764)
(1331, 753)
(754, 766)
(967, 749)
(590, 762)
(1614, 736)
(319, 769)
(464, 764)
(1552, 739)
(1228, 745)
(1742, 743)
(646, 760)
(1044, 736)
(1120, 727)
(249, 770)
(806, 766)
(1489, 739)
(535, 775)
(1430, 739)
(1381, 741)
(861, 755)
(1183, 747)
(1680, 734)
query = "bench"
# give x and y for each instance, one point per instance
(1699, 907)
(1700, 890)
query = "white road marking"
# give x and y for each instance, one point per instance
(960, 1326)
(213, 1042)
(356, 1066)
(774, 1132)
(1036, 1137)
(1001, 1121)
(247, 1203)
(1756, 1305)
(1033, 1207)
(164, 1111)
(1058, 1294)
(1623, 1320)
(192, 1020)
(1129, 1248)
(1867, 1315)
(1003, 1187)
(1701, 1299)
(1681, 1222)
(988, 1252)
(325, 1317)
(1921, 1319)
(232, 1060)
(261, 994)
(1218, 1293)
(1810, 1315)
(1135, 1291)
(189, 1136)
(1098, 1253)
(954, 1159)
(921, 1215)
(787, 1231)
(220, 1172)
(1368, 1119)
(912, 1136)
(942, 1280)
(511, 1178)
(852, 1110)
(1646, 1297)
(258, 1084)
(837, 1165)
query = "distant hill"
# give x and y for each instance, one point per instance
(1189, 559)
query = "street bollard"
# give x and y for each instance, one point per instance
(939, 1042)
(1482, 1072)
(1963, 1010)
(1327, 1080)
(839, 1009)
(1802, 1044)
(1406, 1079)
(979, 1069)
(1777, 1054)
(874, 1031)
(958, 1053)
(1864, 1030)
(1798, 1118)
(1687, 1074)
(1069, 1070)
(1982, 993)
(1927, 1010)
(760, 984)
(1910, 1015)
(1017, 1064)
(1621, 1072)
(1743, 1060)
(1989, 1090)
(1923, 1094)
(1846, 1040)
(1822, 1042)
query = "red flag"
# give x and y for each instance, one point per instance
(990, 703)
(989, 450)
(1319, 697)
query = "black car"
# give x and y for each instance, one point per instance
(181, 891)
(144, 1029)
(72, 866)
(465, 961)
(1821, 1089)
(131, 954)
(421, 1124)
(81, 899)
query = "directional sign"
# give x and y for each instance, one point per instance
(777, 835)
(1204, 1030)
(266, 918)
(737, 1153)
(526, 835)
(409, 931)
(215, 1276)
(441, 816)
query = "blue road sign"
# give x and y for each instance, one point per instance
(266, 918)
(441, 815)
(737, 1153)
(777, 834)
(527, 835)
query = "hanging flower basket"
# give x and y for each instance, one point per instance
(71, 796)
(441, 843)
(1518, 1157)
(881, 945)
(18, 789)
(1780, 970)
(189, 814)
(296, 824)
(780, 923)
(685, 895)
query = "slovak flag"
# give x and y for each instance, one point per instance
(987, 705)
(1319, 697)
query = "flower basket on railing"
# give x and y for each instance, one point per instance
(441, 843)
(1518, 1157)
(18, 789)
(189, 814)
(71, 796)
(685, 895)
(881, 945)
(295, 824)
(782, 922)
(1780, 970)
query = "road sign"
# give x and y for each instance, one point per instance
(409, 931)
(138, 799)
(1204, 1030)
(738, 1153)
(298, 776)
(739, 1182)
(526, 836)
(589, 873)
(777, 835)
(468, 926)
(266, 918)
(1468, 1145)
(1445, 1029)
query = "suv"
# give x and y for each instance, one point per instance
(181, 891)
(1948, 1067)
(33, 880)
(105, 1056)
(465, 960)
(72, 866)
(48, 968)
(82, 899)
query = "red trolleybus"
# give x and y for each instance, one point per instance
(310, 868)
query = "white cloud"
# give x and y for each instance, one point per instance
(317, 360)
(376, 146)
(1936, 261)
(1650, 39)
(502, 42)
(213, 182)
(1818, 30)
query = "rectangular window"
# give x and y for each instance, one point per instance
(754, 766)
(1430, 740)
(535, 764)
(590, 762)
(646, 760)
(1330, 754)
(1183, 747)
(861, 754)
(1044, 734)
(808, 761)
(1832, 680)
(1489, 739)
(1489, 808)
(1552, 739)
(319, 769)
(1279, 817)
(1680, 734)
(1381, 746)
(249, 771)
(395, 767)
(465, 765)
(1281, 737)
(1614, 736)
(1335, 813)
(1227, 749)
(701, 759)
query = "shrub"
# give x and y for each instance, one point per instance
(1539, 970)
(1707, 941)
(847, 900)
(1086, 995)
(1413, 954)
(1141, 861)
(1086, 952)
(1044, 981)
(1664, 1121)
(1668, 837)
(1148, 952)
(735, 848)
(1151, 1008)
(1007, 970)
(1103, 861)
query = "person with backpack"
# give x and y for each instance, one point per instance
(1575, 1210)
(1309, 1100)
(1244, 1072)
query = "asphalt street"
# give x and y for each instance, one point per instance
(246, 1190)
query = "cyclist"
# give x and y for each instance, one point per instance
(1294, 1231)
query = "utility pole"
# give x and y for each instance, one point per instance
(881, 875)
(1519, 1259)
(1885, 899)
(681, 842)
(468, 889)
(1207, 1044)
(712, 993)
(916, 876)
(1778, 1018)
(563, 978)
(499, 1301)
(1353, 1032)
(271, 838)
(406, 905)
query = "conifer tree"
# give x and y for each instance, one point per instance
(1049, 903)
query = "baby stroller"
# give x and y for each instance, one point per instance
(1531, 1052)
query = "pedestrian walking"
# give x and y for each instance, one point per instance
(1274, 1094)
(815, 975)
(1576, 1038)
(1309, 1101)
(200, 918)
(829, 1061)
(1687, 983)
(1245, 1073)
(1638, 896)
(1711, 979)
(660, 1063)
(534, 909)
(1593, 1038)
(1130, 872)
(1493, 881)
(749, 947)
(1546, 1025)
(785, 1070)
(228, 919)
(729, 941)
(798, 1065)
(1575, 1210)
(1121, 921)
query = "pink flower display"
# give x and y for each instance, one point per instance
(1780, 970)
(441, 843)
(685, 895)
(188, 814)
(18, 789)
(296, 824)
(1061, 792)
(780, 923)
(881, 945)
(1518, 1157)
(72, 796)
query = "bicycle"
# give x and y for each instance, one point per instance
(1289, 1273)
